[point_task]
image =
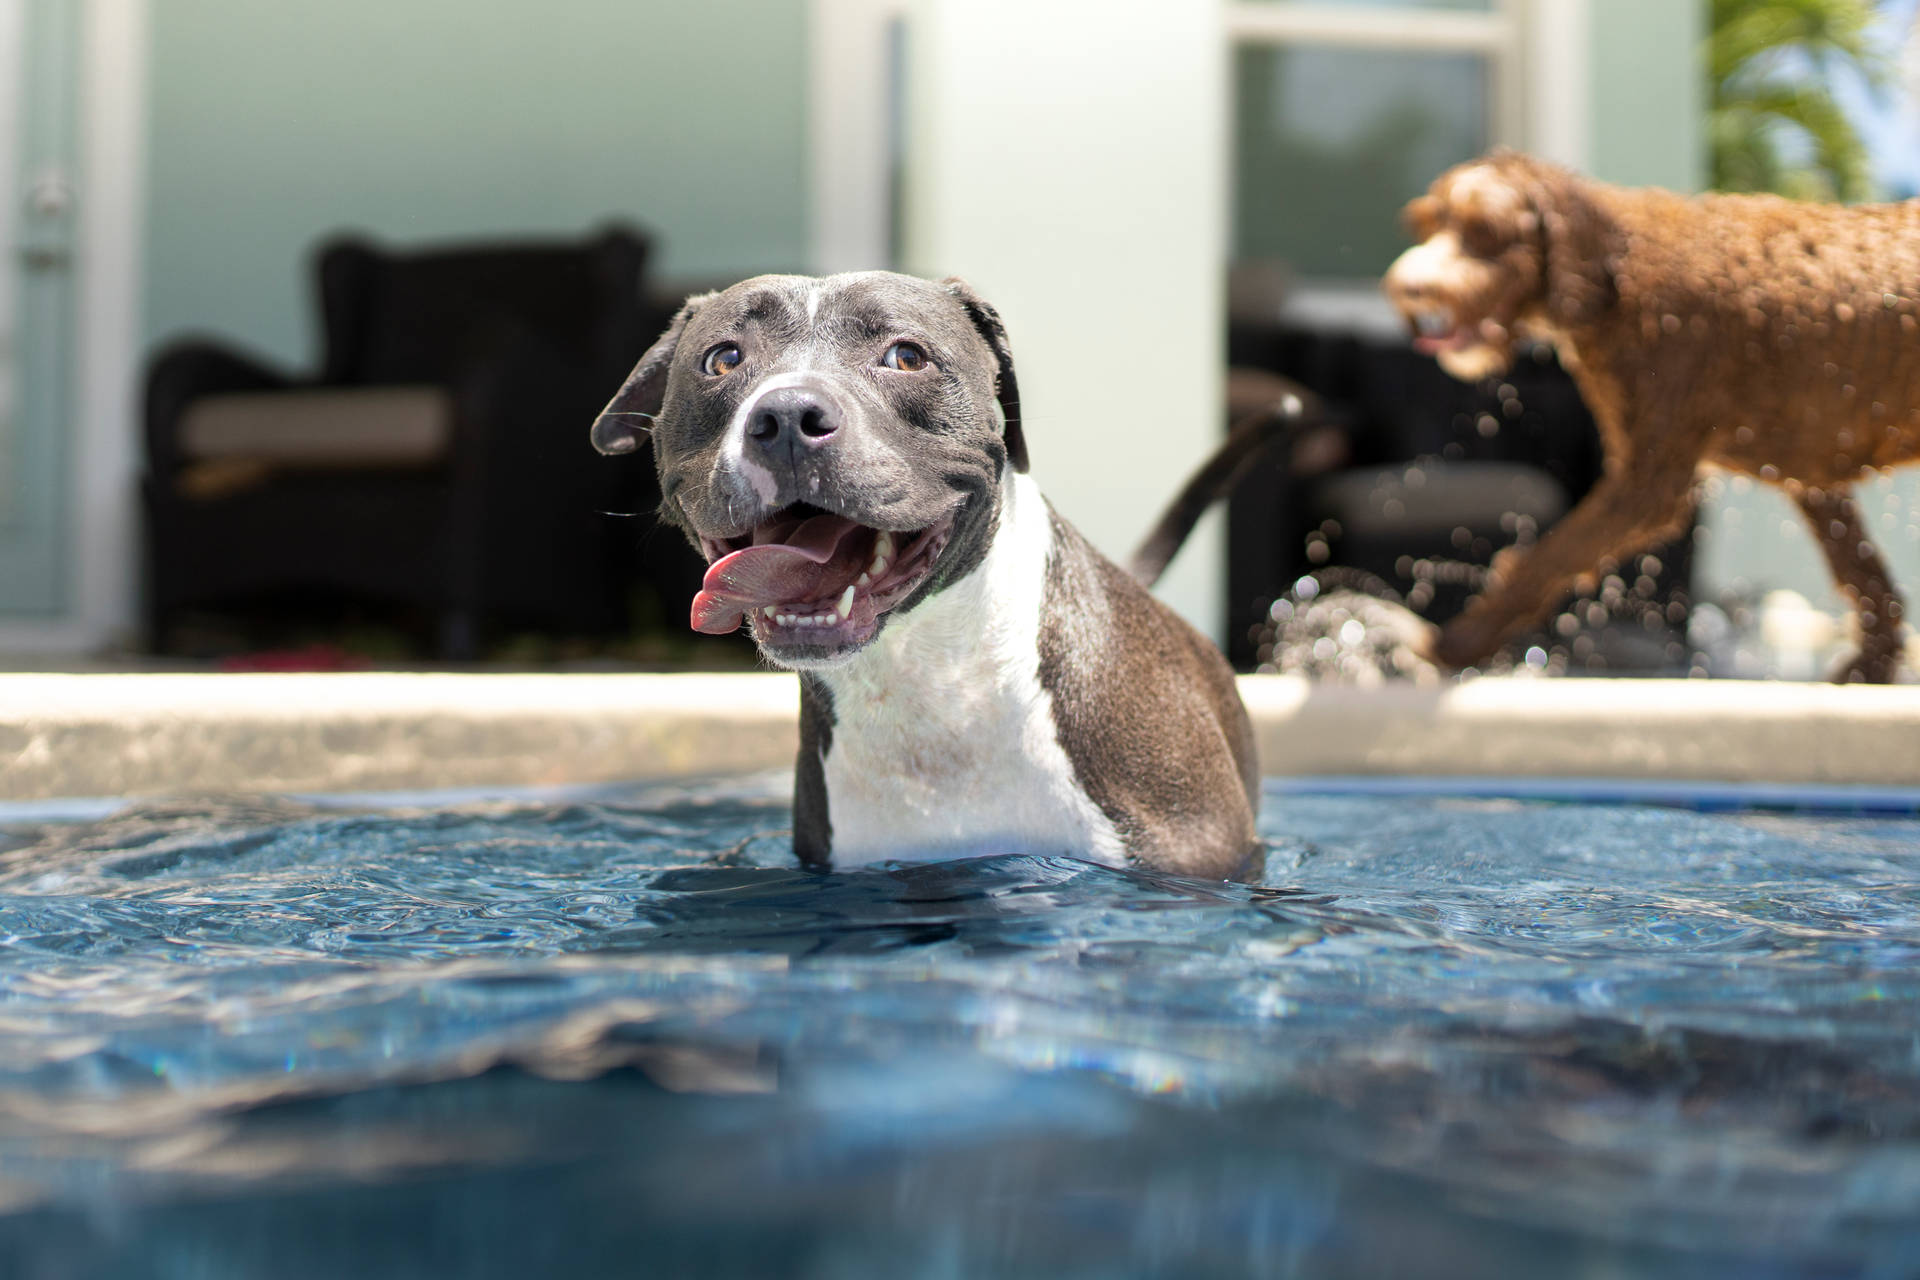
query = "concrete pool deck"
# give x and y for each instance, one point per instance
(97, 735)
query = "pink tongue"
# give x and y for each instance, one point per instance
(795, 570)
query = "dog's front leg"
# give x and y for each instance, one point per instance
(1621, 515)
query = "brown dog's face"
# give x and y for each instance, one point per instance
(1478, 270)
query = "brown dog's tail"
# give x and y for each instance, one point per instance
(1266, 408)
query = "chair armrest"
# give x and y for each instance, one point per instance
(184, 372)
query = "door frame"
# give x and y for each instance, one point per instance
(1541, 99)
(102, 514)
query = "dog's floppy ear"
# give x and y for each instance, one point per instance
(1579, 242)
(624, 422)
(987, 322)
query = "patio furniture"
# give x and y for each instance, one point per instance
(436, 466)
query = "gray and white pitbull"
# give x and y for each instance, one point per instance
(974, 677)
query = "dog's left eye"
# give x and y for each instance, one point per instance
(907, 357)
(723, 359)
(1481, 238)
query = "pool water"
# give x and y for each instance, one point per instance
(619, 1033)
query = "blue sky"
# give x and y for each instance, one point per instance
(1891, 123)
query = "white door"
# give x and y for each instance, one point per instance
(39, 61)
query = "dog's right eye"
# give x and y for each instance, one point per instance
(722, 360)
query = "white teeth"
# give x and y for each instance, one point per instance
(882, 554)
(837, 615)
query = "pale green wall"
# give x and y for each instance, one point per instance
(275, 122)
(1648, 95)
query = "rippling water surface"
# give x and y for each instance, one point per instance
(622, 1034)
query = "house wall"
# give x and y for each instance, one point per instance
(1084, 197)
(274, 124)
(1648, 98)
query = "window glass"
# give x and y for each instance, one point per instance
(1330, 142)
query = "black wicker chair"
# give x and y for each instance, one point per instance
(438, 464)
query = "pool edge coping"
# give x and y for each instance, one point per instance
(128, 734)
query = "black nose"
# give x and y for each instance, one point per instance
(791, 419)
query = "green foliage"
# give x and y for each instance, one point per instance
(1773, 123)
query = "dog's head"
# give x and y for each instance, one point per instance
(833, 446)
(1506, 244)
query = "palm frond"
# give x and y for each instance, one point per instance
(1769, 63)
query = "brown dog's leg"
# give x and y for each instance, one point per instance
(1622, 514)
(1863, 576)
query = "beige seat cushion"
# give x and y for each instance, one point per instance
(1434, 497)
(337, 427)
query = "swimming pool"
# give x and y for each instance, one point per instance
(614, 1030)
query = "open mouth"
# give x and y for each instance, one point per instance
(1435, 331)
(810, 578)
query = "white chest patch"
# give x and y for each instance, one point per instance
(943, 739)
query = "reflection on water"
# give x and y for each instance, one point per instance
(1442, 1037)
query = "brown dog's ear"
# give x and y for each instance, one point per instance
(626, 419)
(987, 322)
(1579, 242)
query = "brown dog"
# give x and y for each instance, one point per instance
(1757, 334)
